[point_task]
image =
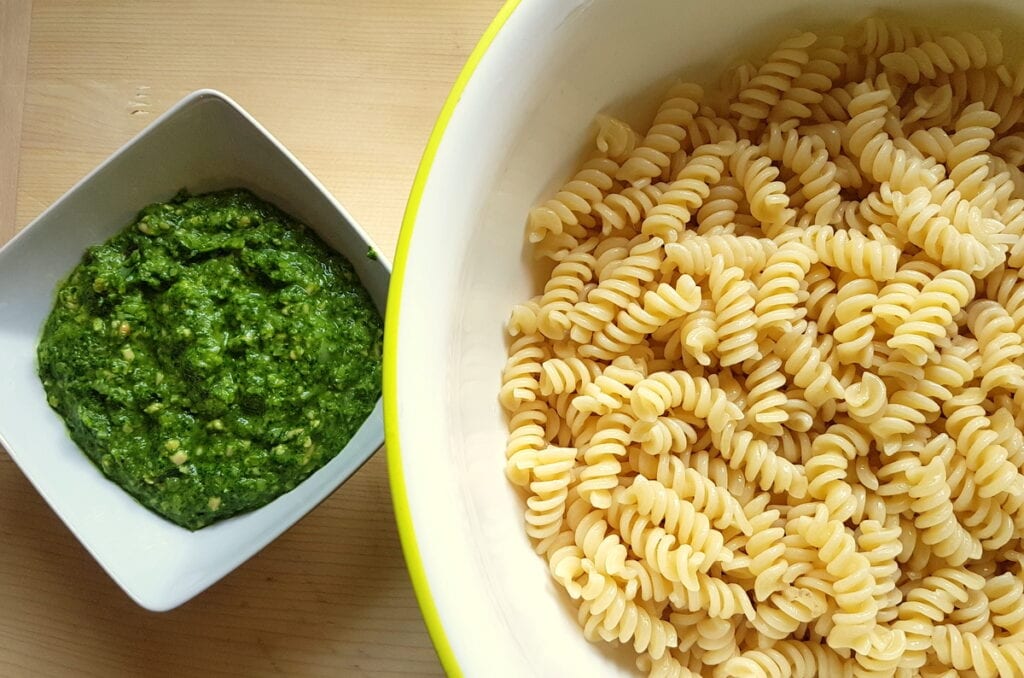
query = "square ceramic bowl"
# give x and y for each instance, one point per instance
(205, 142)
(514, 126)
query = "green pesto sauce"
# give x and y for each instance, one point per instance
(212, 355)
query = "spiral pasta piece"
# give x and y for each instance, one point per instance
(627, 208)
(967, 159)
(945, 54)
(778, 286)
(852, 252)
(920, 222)
(769, 202)
(519, 380)
(1003, 593)
(698, 335)
(804, 362)
(934, 515)
(831, 454)
(720, 599)
(527, 437)
(718, 213)
(1007, 288)
(545, 509)
(826, 58)
(734, 307)
(566, 376)
(878, 157)
(878, 36)
(577, 197)
(808, 158)
(866, 398)
(622, 286)
(606, 613)
(615, 138)
(661, 391)
(664, 434)
(855, 333)
(968, 425)
(783, 613)
(659, 550)
(756, 100)
(928, 603)
(897, 297)
(766, 552)
(708, 497)
(523, 319)
(679, 517)
(819, 293)
(788, 658)
(652, 155)
(967, 651)
(881, 546)
(855, 617)
(717, 640)
(563, 290)
(684, 196)
(766, 398)
(602, 458)
(633, 324)
(606, 393)
(1001, 346)
(931, 313)
(758, 462)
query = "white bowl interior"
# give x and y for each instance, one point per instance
(516, 132)
(204, 143)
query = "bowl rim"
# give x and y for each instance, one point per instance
(399, 496)
(163, 603)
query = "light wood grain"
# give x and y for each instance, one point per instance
(15, 17)
(352, 88)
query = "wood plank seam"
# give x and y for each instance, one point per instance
(15, 24)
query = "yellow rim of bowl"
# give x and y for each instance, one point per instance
(394, 456)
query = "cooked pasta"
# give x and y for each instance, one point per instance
(767, 410)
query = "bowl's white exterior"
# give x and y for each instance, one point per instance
(517, 129)
(204, 142)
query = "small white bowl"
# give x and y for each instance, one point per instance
(205, 142)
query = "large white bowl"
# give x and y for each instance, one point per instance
(515, 124)
(205, 142)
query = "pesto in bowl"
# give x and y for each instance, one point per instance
(212, 355)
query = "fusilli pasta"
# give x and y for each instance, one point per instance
(767, 410)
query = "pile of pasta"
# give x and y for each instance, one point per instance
(767, 411)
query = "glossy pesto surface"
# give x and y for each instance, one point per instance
(212, 355)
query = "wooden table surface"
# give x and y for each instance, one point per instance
(352, 88)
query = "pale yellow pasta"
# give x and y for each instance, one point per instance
(734, 310)
(855, 331)
(652, 156)
(946, 54)
(778, 286)
(615, 138)
(685, 195)
(577, 197)
(816, 77)
(769, 202)
(808, 158)
(718, 213)
(766, 411)
(931, 311)
(1001, 346)
(763, 92)
(545, 510)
